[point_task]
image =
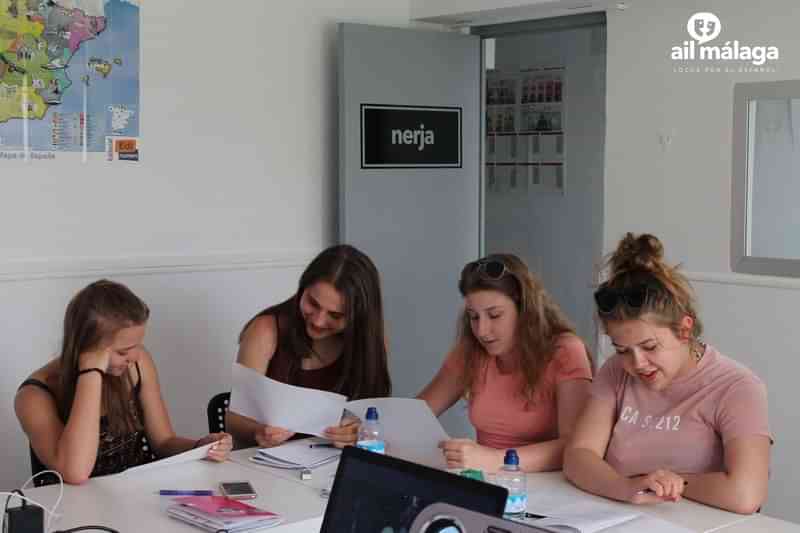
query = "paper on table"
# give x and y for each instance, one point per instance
(301, 453)
(192, 455)
(411, 430)
(584, 517)
(296, 454)
(271, 402)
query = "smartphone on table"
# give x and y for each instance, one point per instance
(238, 490)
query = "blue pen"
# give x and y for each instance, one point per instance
(169, 492)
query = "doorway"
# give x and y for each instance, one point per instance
(543, 171)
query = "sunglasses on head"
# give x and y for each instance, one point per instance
(608, 298)
(490, 269)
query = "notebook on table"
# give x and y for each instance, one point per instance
(297, 454)
(218, 513)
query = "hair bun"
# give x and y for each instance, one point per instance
(643, 252)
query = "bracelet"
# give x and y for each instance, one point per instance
(87, 370)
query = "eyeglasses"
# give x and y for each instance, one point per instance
(608, 298)
(490, 269)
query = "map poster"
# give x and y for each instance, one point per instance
(69, 79)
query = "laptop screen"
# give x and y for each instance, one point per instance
(374, 493)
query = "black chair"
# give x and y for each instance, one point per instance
(36, 467)
(217, 407)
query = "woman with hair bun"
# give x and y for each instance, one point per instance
(518, 362)
(668, 415)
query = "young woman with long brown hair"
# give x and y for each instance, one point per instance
(520, 365)
(328, 336)
(97, 408)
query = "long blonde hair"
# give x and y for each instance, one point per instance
(540, 321)
(95, 313)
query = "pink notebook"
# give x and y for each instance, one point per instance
(222, 507)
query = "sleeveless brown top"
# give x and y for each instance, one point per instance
(285, 368)
(115, 453)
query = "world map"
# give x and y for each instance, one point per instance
(69, 73)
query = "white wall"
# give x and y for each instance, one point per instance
(481, 12)
(435, 8)
(235, 193)
(239, 133)
(682, 193)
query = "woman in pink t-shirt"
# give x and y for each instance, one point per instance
(519, 364)
(668, 415)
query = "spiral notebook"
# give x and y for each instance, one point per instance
(221, 514)
(297, 454)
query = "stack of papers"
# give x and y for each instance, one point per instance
(296, 455)
(584, 517)
(218, 513)
(411, 430)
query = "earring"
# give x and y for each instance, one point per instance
(698, 354)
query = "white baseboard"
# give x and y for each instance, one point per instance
(79, 267)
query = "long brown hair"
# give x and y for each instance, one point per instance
(365, 368)
(540, 321)
(637, 262)
(93, 315)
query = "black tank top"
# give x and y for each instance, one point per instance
(115, 453)
(285, 368)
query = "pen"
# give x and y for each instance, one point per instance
(172, 492)
(534, 516)
(322, 445)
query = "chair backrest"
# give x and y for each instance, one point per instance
(217, 407)
(36, 467)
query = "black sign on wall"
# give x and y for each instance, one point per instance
(394, 136)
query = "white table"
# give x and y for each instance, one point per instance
(129, 503)
(763, 524)
(550, 489)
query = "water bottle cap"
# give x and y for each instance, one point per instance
(372, 413)
(511, 458)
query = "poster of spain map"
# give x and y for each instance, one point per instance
(69, 78)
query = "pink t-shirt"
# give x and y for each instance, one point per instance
(684, 427)
(502, 416)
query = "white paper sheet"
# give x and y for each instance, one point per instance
(584, 517)
(277, 404)
(192, 455)
(411, 430)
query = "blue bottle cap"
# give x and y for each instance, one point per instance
(511, 458)
(372, 413)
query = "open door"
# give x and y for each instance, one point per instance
(409, 183)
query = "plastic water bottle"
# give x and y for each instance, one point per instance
(370, 434)
(513, 479)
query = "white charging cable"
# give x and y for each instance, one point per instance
(51, 513)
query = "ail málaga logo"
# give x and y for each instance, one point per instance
(705, 27)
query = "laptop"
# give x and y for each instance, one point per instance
(373, 493)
